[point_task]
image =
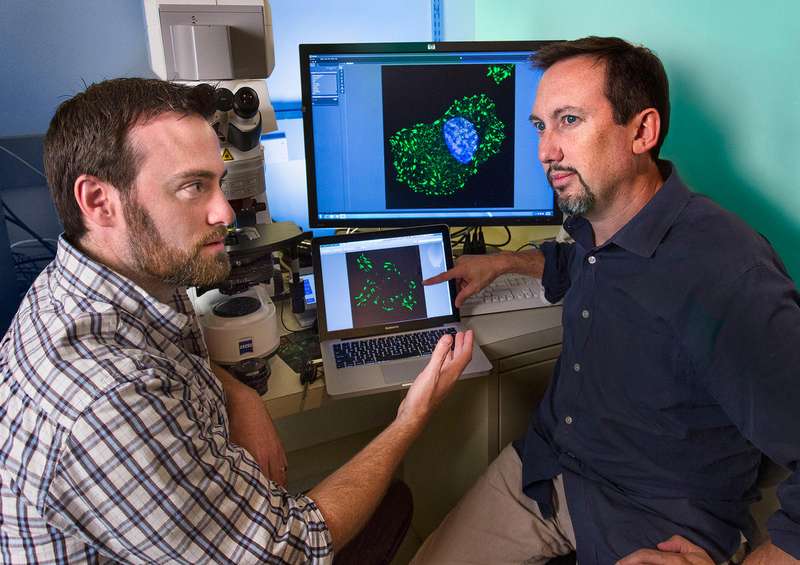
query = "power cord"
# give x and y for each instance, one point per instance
(506, 242)
(282, 306)
(310, 373)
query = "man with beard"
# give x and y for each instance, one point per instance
(118, 441)
(680, 352)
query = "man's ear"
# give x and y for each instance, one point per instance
(648, 128)
(98, 200)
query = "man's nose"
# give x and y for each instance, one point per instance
(549, 148)
(220, 211)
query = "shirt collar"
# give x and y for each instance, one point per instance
(645, 231)
(79, 275)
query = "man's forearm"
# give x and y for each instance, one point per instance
(529, 263)
(349, 496)
(768, 554)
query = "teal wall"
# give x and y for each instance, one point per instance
(734, 69)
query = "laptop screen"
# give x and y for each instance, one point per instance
(375, 280)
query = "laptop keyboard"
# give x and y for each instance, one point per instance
(388, 348)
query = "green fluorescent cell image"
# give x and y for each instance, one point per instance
(385, 286)
(364, 263)
(436, 159)
(449, 136)
(499, 73)
(387, 289)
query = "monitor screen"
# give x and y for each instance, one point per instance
(417, 133)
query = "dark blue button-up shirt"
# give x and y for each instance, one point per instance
(680, 366)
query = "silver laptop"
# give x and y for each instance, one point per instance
(377, 322)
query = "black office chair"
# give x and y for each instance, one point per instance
(568, 559)
(380, 539)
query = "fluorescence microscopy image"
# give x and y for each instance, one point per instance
(499, 73)
(385, 286)
(449, 136)
(437, 159)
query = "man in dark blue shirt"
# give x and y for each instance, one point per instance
(680, 355)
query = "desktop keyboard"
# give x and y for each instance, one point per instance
(388, 348)
(507, 293)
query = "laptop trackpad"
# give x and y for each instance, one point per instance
(403, 372)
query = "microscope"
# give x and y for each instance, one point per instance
(229, 48)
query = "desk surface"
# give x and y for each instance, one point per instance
(499, 335)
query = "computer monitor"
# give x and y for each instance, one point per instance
(418, 133)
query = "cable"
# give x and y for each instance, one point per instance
(23, 161)
(506, 242)
(283, 323)
(27, 241)
(308, 375)
(11, 216)
(537, 244)
(464, 237)
(8, 211)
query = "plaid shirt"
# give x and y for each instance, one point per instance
(114, 440)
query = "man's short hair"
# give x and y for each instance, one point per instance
(635, 77)
(90, 134)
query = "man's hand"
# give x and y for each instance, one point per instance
(251, 427)
(437, 379)
(769, 554)
(677, 550)
(473, 273)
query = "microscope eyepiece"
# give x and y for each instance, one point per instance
(224, 99)
(245, 102)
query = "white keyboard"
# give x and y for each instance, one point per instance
(507, 293)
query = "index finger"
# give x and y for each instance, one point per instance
(441, 277)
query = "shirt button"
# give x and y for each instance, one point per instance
(568, 420)
(585, 314)
(592, 259)
(577, 367)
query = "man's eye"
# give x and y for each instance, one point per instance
(569, 119)
(195, 187)
(539, 126)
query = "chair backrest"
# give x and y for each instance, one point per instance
(770, 474)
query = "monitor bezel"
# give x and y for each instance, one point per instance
(418, 47)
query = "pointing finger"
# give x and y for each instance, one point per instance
(441, 277)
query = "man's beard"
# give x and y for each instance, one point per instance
(580, 203)
(170, 265)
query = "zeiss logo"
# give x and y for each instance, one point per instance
(246, 346)
(431, 47)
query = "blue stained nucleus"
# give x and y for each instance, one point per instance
(461, 138)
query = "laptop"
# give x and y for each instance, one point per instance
(378, 324)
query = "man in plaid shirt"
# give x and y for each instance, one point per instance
(118, 441)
